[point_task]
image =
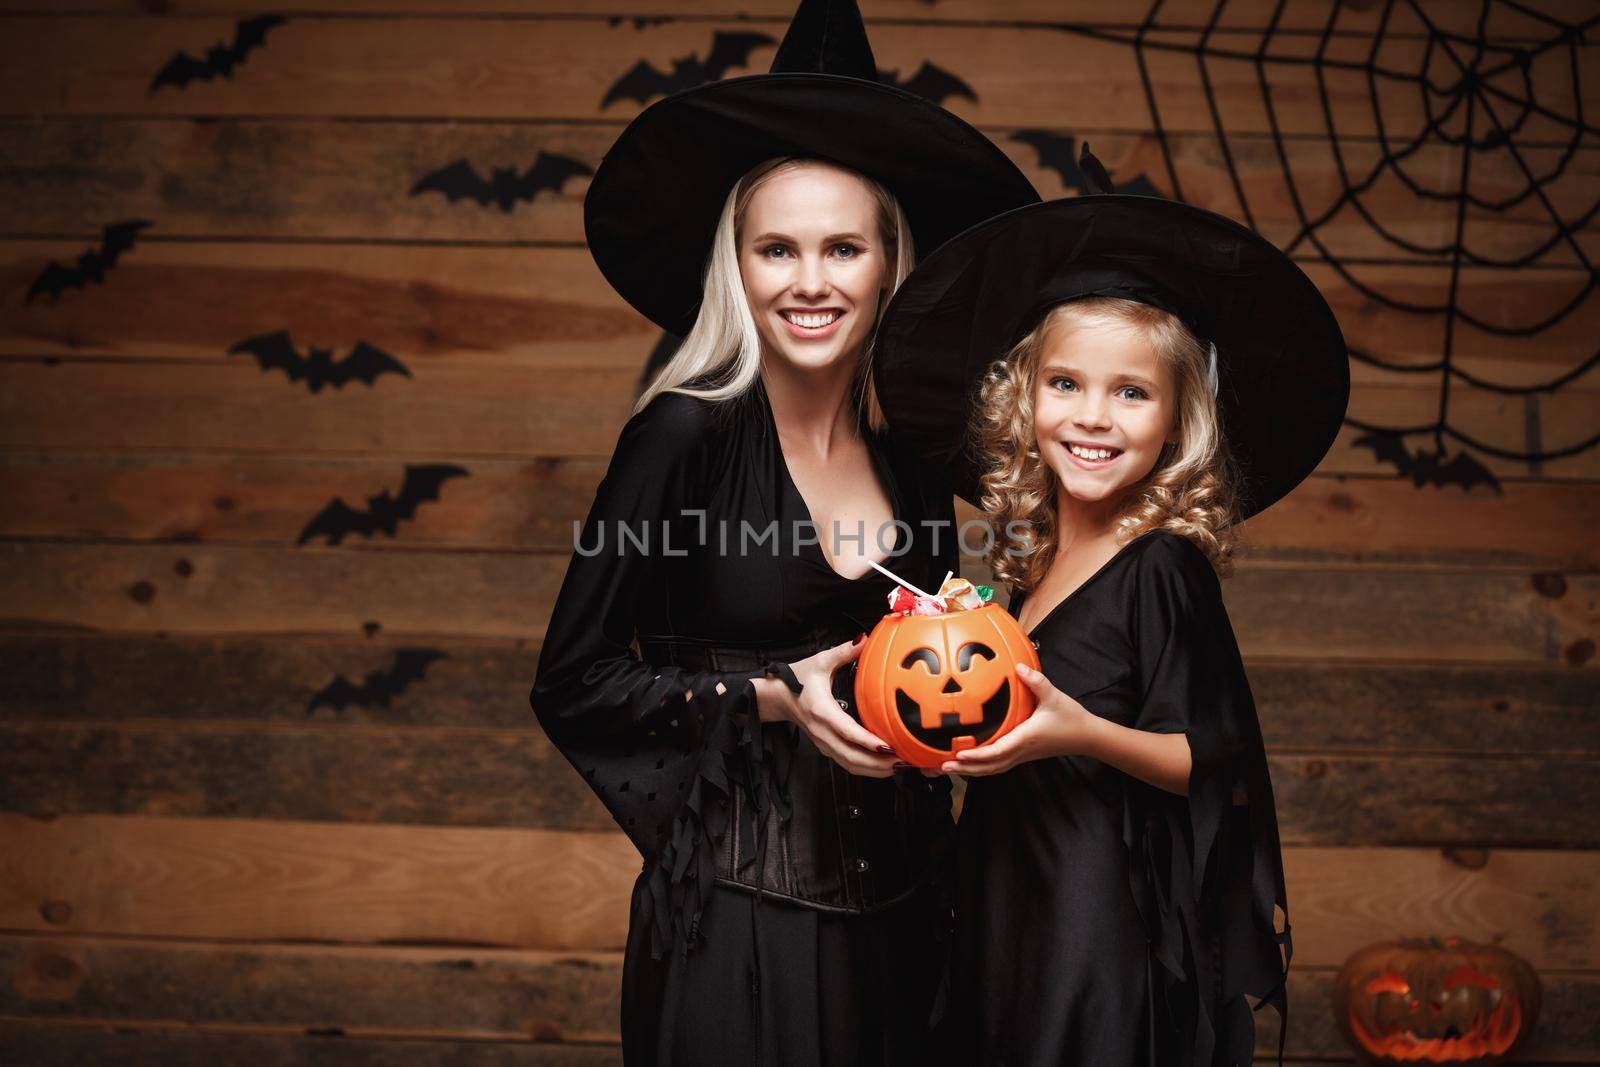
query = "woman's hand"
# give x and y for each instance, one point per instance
(1059, 726)
(813, 709)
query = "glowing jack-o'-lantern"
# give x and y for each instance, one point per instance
(932, 685)
(1432, 1001)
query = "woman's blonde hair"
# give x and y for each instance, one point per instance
(724, 346)
(1190, 491)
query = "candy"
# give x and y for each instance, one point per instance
(986, 593)
(901, 601)
(927, 605)
(959, 595)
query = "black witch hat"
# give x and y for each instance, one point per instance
(653, 206)
(1283, 374)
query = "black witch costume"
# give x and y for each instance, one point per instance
(1102, 920)
(787, 911)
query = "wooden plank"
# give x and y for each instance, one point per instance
(450, 410)
(517, 309)
(1540, 904)
(1306, 706)
(457, 778)
(445, 409)
(260, 880)
(1311, 612)
(1402, 709)
(114, 981)
(437, 992)
(1393, 520)
(509, 505)
(1429, 800)
(518, 505)
(515, 779)
(524, 68)
(490, 307)
(1460, 16)
(49, 1043)
(328, 180)
(55, 1043)
(195, 680)
(283, 880)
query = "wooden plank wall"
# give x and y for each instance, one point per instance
(201, 861)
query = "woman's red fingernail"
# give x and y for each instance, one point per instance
(886, 750)
(902, 766)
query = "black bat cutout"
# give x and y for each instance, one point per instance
(1059, 153)
(248, 35)
(504, 186)
(384, 512)
(1425, 467)
(378, 687)
(643, 81)
(666, 347)
(932, 83)
(115, 239)
(365, 362)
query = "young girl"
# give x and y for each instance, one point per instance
(1121, 886)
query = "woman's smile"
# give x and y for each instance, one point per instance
(810, 324)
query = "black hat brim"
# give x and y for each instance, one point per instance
(653, 205)
(1284, 373)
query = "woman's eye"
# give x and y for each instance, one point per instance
(774, 251)
(845, 251)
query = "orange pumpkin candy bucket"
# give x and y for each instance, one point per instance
(933, 685)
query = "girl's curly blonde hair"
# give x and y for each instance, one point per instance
(1191, 490)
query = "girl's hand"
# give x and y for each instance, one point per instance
(1059, 726)
(837, 735)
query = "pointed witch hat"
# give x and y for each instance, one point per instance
(1283, 374)
(653, 206)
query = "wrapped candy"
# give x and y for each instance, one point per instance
(958, 594)
(903, 601)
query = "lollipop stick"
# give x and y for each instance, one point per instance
(947, 575)
(886, 571)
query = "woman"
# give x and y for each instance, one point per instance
(792, 889)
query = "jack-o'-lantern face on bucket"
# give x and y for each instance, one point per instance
(933, 685)
(943, 693)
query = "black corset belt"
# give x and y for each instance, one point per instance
(834, 841)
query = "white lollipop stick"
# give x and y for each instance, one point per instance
(891, 574)
(947, 575)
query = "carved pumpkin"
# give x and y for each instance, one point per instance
(932, 685)
(1431, 1001)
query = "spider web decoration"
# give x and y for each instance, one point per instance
(1478, 103)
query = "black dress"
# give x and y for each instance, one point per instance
(786, 912)
(1085, 932)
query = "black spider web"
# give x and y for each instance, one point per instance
(1465, 107)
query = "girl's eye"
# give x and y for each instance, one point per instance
(1063, 384)
(1132, 392)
